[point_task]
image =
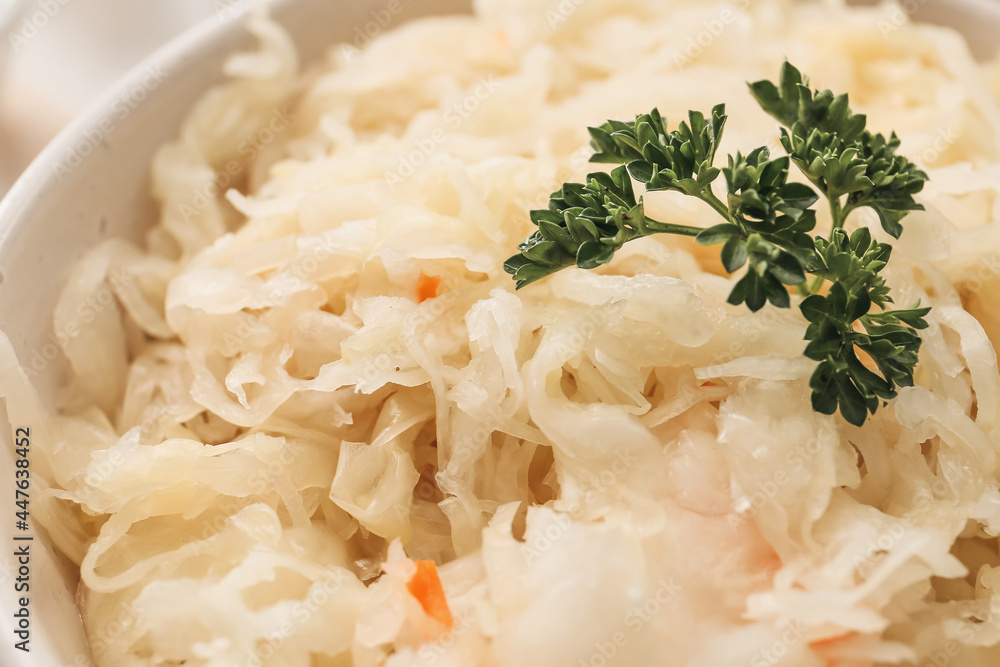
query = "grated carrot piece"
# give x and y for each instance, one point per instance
(425, 585)
(427, 287)
(830, 642)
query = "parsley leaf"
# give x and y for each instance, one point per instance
(863, 355)
(841, 326)
(680, 160)
(584, 225)
(831, 146)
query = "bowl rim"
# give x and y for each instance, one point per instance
(9, 12)
(40, 180)
(40, 177)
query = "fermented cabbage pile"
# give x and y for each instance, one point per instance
(313, 376)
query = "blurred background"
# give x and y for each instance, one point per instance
(58, 56)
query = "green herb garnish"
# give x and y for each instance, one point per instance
(767, 226)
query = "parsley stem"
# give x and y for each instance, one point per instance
(709, 198)
(813, 285)
(667, 228)
(838, 214)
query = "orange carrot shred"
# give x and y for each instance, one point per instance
(427, 287)
(831, 641)
(425, 585)
(707, 383)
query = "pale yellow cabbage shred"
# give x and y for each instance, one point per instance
(611, 467)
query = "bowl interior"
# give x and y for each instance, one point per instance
(978, 20)
(81, 191)
(85, 188)
(7, 11)
(8, 17)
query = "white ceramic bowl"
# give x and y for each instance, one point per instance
(8, 18)
(49, 219)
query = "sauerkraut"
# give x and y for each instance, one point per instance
(315, 372)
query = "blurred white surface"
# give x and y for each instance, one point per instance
(59, 55)
(8, 9)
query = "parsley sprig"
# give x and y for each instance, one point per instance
(863, 355)
(841, 325)
(851, 166)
